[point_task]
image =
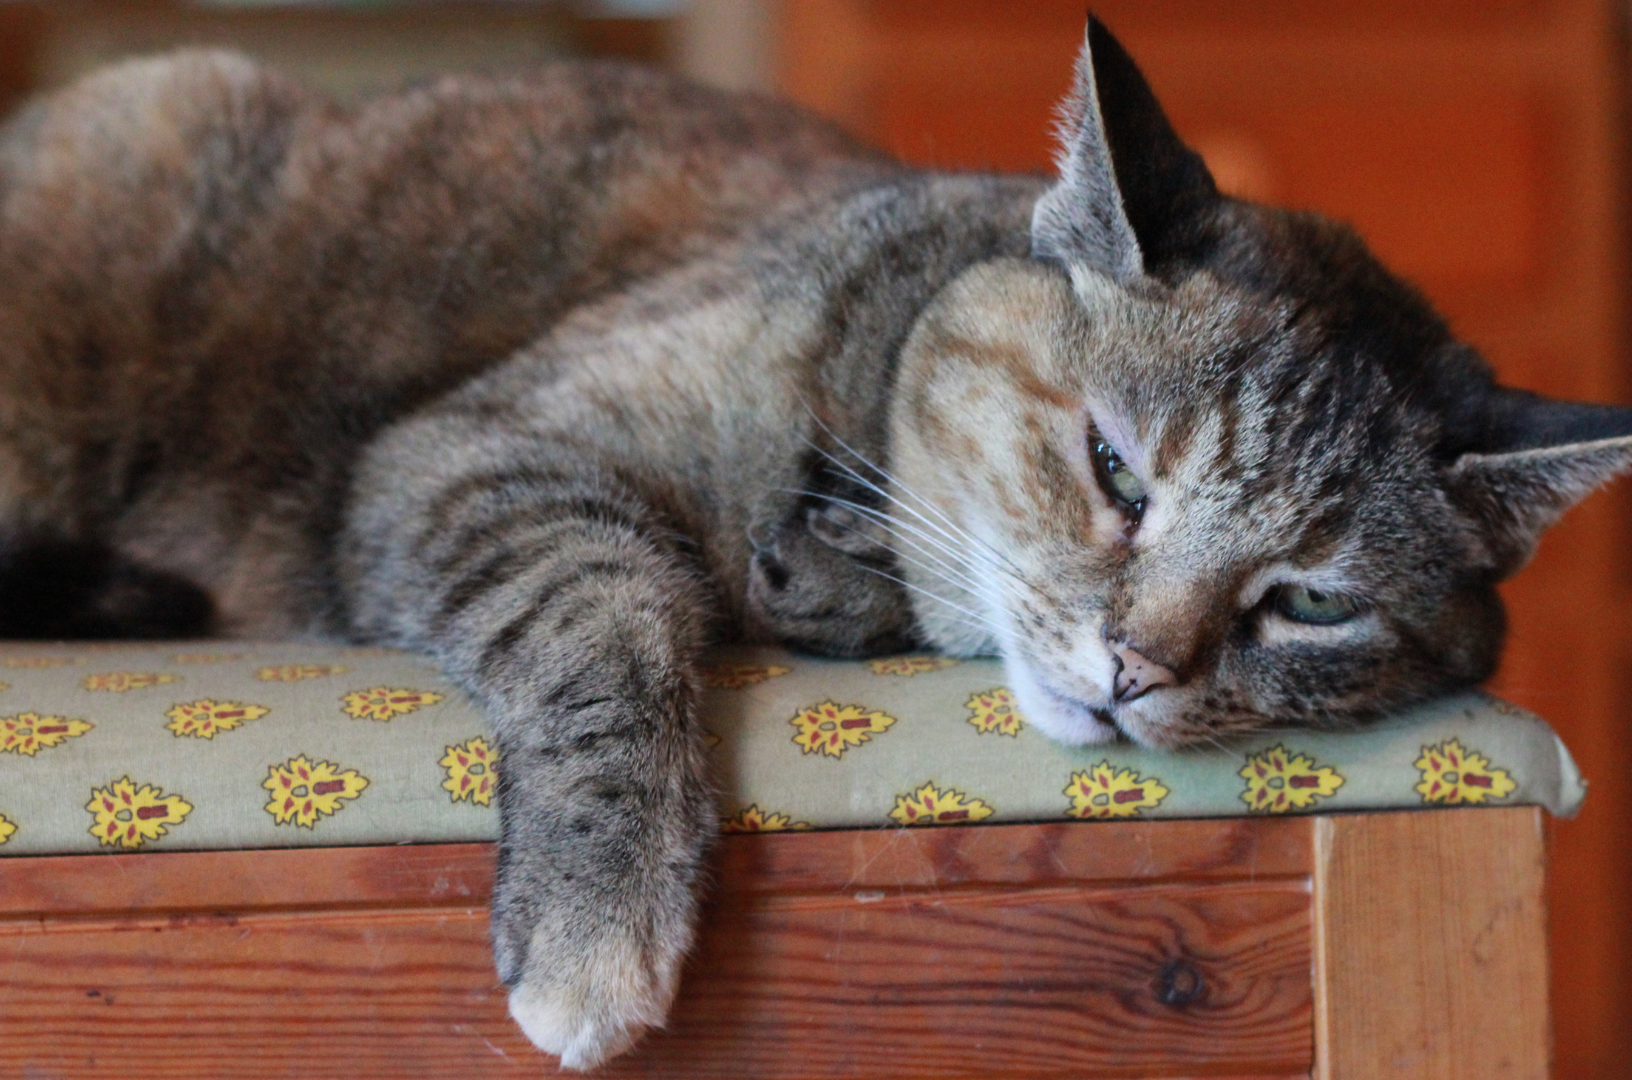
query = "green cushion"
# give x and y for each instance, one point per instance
(234, 745)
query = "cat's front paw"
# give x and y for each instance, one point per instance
(591, 939)
(585, 1007)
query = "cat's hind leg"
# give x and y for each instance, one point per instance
(555, 597)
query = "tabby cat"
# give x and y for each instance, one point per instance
(559, 379)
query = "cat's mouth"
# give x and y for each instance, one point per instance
(1108, 722)
(1072, 720)
(1108, 718)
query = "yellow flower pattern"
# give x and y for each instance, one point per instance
(1453, 775)
(1279, 781)
(1107, 792)
(751, 819)
(299, 672)
(120, 682)
(929, 805)
(911, 665)
(303, 792)
(384, 703)
(993, 712)
(727, 676)
(125, 815)
(469, 766)
(204, 719)
(796, 745)
(29, 733)
(831, 729)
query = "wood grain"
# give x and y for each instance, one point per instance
(1189, 980)
(462, 874)
(1092, 949)
(156, 882)
(1033, 855)
(1058, 983)
(1456, 986)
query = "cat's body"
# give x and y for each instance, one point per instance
(559, 379)
(219, 286)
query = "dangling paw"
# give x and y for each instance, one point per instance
(592, 1006)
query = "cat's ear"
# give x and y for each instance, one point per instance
(1131, 197)
(1539, 458)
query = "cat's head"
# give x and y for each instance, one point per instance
(1200, 466)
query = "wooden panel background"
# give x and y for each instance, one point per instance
(1477, 145)
(1106, 950)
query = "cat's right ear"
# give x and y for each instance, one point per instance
(1132, 199)
(1537, 458)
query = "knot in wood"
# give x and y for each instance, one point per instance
(1178, 983)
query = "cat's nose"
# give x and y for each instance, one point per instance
(1136, 676)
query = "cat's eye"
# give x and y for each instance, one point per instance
(1120, 484)
(1314, 606)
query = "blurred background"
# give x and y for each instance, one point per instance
(1477, 144)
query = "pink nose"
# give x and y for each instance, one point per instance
(1137, 676)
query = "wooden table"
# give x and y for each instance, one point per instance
(1360, 946)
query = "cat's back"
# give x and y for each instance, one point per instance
(455, 200)
(216, 284)
(195, 237)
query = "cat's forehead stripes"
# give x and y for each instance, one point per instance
(1260, 437)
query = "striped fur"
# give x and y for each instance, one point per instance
(559, 379)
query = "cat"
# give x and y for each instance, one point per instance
(559, 379)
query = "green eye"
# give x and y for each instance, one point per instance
(1313, 606)
(1119, 482)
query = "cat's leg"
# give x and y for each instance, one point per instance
(570, 616)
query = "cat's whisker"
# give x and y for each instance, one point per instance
(955, 573)
(950, 529)
(917, 538)
(882, 473)
(973, 619)
(895, 528)
(938, 573)
(1007, 582)
(894, 482)
(998, 559)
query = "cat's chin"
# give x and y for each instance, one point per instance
(1061, 718)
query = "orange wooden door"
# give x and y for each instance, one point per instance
(1475, 143)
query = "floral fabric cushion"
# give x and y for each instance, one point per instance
(233, 745)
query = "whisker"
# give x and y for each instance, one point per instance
(889, 524)
(888, 478)
(940, 571)
(937, 572)
(979, 621)
(1001, 562)
(983, 549)
(955, 562)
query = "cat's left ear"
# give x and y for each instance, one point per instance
(1540, 457)
(1132, 199)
